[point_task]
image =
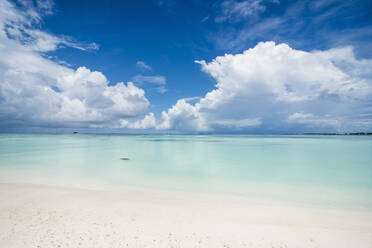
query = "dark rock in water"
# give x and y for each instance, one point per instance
(124, 158)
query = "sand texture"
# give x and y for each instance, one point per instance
(47, 216)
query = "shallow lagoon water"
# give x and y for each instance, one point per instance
(310, 169)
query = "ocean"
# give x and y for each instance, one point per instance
(316, 170)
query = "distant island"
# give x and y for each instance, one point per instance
(358, 133)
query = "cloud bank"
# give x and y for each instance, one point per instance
(274, 88)
(37, 91)
(269, 88)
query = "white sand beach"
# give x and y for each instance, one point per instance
(49, 216)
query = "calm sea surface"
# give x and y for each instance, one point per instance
(330, 170)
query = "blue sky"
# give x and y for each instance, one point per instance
(254, 66)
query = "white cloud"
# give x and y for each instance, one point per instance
(160, 81)
(243, 123)
(45, 6)
(148, 122)
(183, 116)
(41, 41)
(289, 75)
(35, 90)
(299, 116)
(234, 11)
(290, 26)
(269, 87)
(189, 99)
(264, 85)
(143, 66)
(19, 24)
(149, 79)
(310, 119)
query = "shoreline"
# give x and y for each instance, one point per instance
(54, 216)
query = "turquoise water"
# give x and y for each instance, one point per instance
(330, 170)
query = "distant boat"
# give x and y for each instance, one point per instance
(75, 132)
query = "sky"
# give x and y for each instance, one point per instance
(172, 66)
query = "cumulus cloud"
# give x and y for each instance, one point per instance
(274, 88)
(36, 91)
(268, 88)
(148, 122)
(291, 75)
(184, 117)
